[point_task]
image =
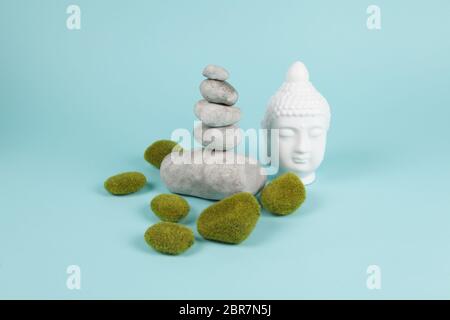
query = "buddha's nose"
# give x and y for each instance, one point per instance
(303, 144)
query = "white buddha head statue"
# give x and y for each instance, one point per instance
(302, 116)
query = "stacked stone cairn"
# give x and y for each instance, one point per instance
(220, 171)
(217, 111)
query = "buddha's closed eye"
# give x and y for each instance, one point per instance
(315, 132)
(286, 132)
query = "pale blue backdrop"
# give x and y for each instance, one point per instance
(79, 106)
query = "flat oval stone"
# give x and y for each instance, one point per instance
(220, 138)
(215, 72)
(216, 115)
(218, 92)
(211, 174)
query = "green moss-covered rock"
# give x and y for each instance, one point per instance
(170, 207)
(230, 220)
(169, 238)
(158, 150)
(284, 194)
(125, 183)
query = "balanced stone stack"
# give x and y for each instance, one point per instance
(217, 111)
(222, 172)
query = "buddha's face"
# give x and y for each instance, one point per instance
(301, 142)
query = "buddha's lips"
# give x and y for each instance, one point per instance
(300, 160)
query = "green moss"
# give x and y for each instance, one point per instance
(158, 150)
(125, 183)
(170, 207)
(169, 238)
(284, 194)
(230, 220)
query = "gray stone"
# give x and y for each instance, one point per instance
(214, 175)
(216, 115)
(221, 138)
(215, 72)
(218, 92)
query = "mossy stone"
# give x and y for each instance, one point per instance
(169, 238)
(230, 220)
(125, 183)
(158, 150)
(170, 207)
(284, 194)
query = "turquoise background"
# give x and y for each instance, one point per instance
(79, 106)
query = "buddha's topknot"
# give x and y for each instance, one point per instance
(297, 97)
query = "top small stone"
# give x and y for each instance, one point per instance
(214, 72)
